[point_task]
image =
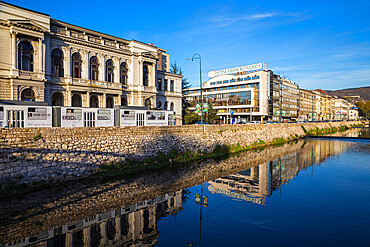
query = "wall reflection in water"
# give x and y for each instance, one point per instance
(258, 182)
(134, 225)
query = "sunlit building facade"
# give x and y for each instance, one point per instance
(248, 93)
(47, 60)
(341, 109)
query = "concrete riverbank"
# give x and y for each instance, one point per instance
(31, 155)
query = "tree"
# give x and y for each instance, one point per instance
(211, 116)
(185, 84)
(363, 108)
(191, 117)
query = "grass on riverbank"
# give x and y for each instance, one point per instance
(325, 131)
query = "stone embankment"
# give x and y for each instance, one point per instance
(30, 155)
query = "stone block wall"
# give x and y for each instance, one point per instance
(29, 155)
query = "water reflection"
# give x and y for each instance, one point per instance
(137, 225)
(258, 182)
(354, 132)
(134, 225)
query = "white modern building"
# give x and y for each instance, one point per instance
(248, 93)
(341, 111)
(48, 60)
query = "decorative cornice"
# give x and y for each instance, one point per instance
(72, 40)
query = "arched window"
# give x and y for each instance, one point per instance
(57, 63)
(57, 99)
(172, 107)
(28, 95)
(94, 65)
(165, 106)
(76, 100)
(145, 74)
(124, 100)
(109, 70)
(25, 56)
(76, 65)
(109, 103)
(123, 71)
(94, 101)
(148, 103)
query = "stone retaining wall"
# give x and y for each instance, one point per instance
(56, 154)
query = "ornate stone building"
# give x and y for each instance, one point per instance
(43, 59)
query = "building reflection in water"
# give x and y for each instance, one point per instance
(258, 182)
(134, 225)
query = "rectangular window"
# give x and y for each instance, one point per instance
(1, 112)
(165, 85)
(226, 81)
(37, 113)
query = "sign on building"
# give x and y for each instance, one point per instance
(245, 68)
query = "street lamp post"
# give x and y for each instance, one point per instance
(197, 56)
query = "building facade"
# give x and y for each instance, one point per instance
(307, 105)
(252, 93)
(48, 60)
(353, 113)
(341, 107)
(284, 99)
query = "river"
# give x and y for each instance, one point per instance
(305, 193)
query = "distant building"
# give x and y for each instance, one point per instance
(341, 109)
(353, 113)
(307, 105)
(325, 105)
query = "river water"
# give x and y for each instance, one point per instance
(307, 193)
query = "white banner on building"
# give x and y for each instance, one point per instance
(251, 67)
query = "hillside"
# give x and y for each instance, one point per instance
(363, 92)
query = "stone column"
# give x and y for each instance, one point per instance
(103, 232)
(14, 50)
(117, 100)
(85, 65)
(101, 69)
(103, 101)
(87, 101)
(41, 54)
(87, 236)
(116, 63)
(152, 75)
(69, 239)
(118, 228)
(67, 62)
(140, 80)
(68, 99)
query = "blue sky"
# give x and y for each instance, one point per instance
(318, 44)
